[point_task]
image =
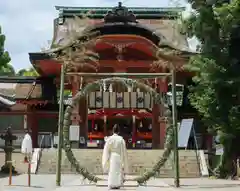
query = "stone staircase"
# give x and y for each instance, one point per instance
(139, 162)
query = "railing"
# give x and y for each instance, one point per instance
(203, 163)
(201, 158)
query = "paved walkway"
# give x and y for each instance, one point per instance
(74, 183)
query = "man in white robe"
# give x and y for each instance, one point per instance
(26, 147)
(114, 159)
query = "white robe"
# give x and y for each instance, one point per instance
(114, 160)
(26, 147)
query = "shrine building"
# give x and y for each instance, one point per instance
(130, 37)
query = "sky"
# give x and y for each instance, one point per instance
(28, 24)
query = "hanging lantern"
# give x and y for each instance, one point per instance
(140, 125)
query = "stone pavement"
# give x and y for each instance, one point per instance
(75, 183)
(203, 184)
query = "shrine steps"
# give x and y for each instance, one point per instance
(139, 162)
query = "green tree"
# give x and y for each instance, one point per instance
(217, 80)
(27, 72)
(5, 68)
(21, 72)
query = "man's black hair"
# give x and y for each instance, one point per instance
(116, 129)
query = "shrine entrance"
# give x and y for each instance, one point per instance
(135, 128)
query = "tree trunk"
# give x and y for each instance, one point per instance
(227, 164)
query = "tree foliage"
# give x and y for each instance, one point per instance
(217, 80)
(27, 72)
(5, 68)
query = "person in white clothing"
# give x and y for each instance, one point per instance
(26, 147)
(114, 159)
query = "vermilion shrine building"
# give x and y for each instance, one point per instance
(130, 38)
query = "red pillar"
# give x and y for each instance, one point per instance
(34, 130)
(31, 123)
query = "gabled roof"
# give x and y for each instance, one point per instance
(16, 88)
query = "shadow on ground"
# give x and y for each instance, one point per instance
(5, 175)
(25, 186)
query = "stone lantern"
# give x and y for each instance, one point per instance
(8, 137)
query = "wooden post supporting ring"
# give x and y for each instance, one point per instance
(10, 172)
(29, 172)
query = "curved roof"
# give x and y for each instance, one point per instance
(162, 30)
(6, 101)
